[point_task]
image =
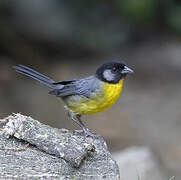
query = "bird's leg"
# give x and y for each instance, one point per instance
(77, 119)
(73, 117)
(86, 130)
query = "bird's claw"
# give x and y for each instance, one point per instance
(87, 132)
(78, 131)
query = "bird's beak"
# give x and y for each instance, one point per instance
(127, 70)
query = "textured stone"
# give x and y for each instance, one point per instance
(53, 153)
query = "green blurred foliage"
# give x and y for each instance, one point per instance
(137, 10)
(83, 26)
(174, 18)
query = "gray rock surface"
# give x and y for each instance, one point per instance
(39, 161)
(51, 140)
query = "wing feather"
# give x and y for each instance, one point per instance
(84, 87)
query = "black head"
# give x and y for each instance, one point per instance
(112, 72)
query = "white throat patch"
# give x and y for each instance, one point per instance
(108, 75)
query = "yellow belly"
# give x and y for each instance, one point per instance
(99, 101)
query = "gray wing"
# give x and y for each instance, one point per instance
(84, 87)
(87, 86)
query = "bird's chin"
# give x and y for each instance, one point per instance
(124, 76)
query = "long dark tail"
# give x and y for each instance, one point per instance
(35, 75)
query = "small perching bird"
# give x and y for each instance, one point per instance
(88, 95)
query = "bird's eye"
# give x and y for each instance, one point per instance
(122, 66)
(114, 69)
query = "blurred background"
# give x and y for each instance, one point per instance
(70, 39)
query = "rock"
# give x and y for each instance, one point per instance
(51, 140)
(52, 154)
(138, 163)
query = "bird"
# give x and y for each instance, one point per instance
(85, 96)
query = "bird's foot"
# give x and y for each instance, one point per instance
(87, 132)
(78, 131)
(76, 118)
(90, 133)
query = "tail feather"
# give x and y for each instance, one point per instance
(35, 75)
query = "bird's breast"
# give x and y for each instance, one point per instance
(99, 101)
(111, 94)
